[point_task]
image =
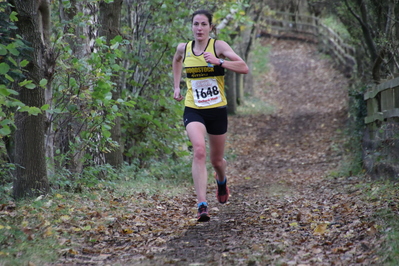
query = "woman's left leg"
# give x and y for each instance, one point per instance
(217, 143)
(216, 147)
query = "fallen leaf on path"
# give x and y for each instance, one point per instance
(320, 229)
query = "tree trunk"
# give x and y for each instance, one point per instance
(367, 32)
(365, 26)
(230, 88)
(109, 20)
(31, 171)
(240, 89)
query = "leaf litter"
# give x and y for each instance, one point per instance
(284, 209)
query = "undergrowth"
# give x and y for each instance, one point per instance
(351, 147)
(254, 105)
(31, 230)
(373, 190)
(385, 192)
(259, 59)
(335, 24)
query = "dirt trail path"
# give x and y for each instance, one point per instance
(283, 210)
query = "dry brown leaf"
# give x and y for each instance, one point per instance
(320, 229)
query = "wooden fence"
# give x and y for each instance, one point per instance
(382, 100)
(309, 28)
(381, 136)
(382, 104)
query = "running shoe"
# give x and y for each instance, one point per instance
(203, 215)
(222, 192)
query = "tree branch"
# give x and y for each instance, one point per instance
(226, 20)
(365, 28)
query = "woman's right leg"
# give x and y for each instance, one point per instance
(197, 133)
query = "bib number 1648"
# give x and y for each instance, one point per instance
(206, 93)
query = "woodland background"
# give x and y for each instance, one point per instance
(93, 154)
(86, 85)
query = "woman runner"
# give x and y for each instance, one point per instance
(205, 114)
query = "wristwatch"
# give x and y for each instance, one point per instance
(221, 61)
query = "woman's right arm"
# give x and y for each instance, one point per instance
(177, 65)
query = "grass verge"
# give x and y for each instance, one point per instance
(253, 104)
(42, 230)
(385, 194)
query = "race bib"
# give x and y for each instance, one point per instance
(206, 92)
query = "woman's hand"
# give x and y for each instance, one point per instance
(177, 96)
(210, 58)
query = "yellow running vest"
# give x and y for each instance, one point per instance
(205, 84)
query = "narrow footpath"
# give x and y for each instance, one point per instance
(287, 207)
(284, 209)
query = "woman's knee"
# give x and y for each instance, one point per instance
(200, 153)
(217, 163)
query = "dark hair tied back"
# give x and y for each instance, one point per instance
(202, 12)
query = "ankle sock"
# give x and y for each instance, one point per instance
(221, 183)
(202, 203)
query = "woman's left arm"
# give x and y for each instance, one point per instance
(235, 62)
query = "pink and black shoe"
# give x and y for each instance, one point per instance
(222, 192)
(203, 215)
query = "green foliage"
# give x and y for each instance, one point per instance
(6, 169)
(91, 177)
(254, 105)
(41, 230)
(385, 193)
(84, 85)
(343, 15)
(154, 130)
(352, 164)
(390, 250)
(13, 54)
(12, 49)
(372, 31)
(259, 58)
(165, 175)
(82, 98)
(28, 237)
(17, 242)
(167, 171)
(338, 27)
(5, 173)
(239, 19)
(83, 109)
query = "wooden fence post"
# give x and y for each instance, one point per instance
(381, 138)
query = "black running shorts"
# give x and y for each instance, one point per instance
(214, 119)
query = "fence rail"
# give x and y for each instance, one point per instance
(382, 102)
(282, 24)
(380, 143)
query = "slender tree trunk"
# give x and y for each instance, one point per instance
(231, 91)
(240, 89)
(367, 31)
(109, 20)
(80, 48)
(31, 171)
